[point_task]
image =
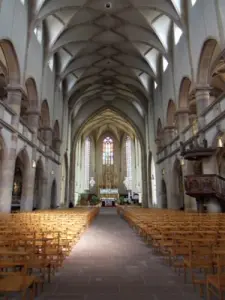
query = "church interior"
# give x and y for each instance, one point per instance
(112, 149)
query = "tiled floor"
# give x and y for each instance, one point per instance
(111, 262)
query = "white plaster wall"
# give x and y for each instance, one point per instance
(202, 25)
(13, 27)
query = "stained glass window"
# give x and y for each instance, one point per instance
(87, 146)
(129, 160)
(107, 151)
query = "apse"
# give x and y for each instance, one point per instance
(107, 158)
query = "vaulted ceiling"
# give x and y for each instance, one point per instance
(108, 50)
(108, 121)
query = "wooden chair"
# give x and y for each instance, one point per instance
(15, 279)
(216, 282)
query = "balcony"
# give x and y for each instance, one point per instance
(205, 185)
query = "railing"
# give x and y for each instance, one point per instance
(205, 185)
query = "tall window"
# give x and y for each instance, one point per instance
(87, 147)
(129, 160)
(107, 151)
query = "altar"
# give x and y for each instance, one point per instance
(108, 197)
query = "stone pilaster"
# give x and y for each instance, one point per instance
(203, 99)
(27, 198)
(169, 134)
(182, 115)
(8, 176)
(14, 98)
(57, 144)
(47, 136)
(32, 119)
(43, 203)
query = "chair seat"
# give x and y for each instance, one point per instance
(16, 283)
(214, 280)
(197, 263)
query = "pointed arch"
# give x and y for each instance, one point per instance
(8, 52)
(209, 51)
(185, 87)
(159, 128)
(32, 93)
(45, 114)
(53, 203)
(3, 156)
(20, 190)
(44, 123)
(171, 110)
(178, 186)
(108, 151)
(38, 185)
(56, 130)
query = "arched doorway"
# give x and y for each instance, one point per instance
(150, 176)
(38, 185)
(20, 182)
(54, 194)
(164, 194)
(153, 183)
(178, 194)
(64, 182)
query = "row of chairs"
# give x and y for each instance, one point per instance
(33, 246)
(187, 241)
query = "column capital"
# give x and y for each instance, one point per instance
(46, 128)
(33, 111)
(203, 87)
(168, 128)
(15, 88)
(56, 139)
(181, 111)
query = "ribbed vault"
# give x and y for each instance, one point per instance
(108, 121)
(107, 49)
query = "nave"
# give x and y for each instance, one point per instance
(111, 261)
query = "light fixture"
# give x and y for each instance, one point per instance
(219, 142)
(181, 161)
(163, 171)
(52, 172)
(108, 5)
(126, 182)
(92, 182)
(33, 164)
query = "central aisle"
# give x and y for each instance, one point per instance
(111, 262)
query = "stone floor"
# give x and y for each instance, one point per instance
(112, 262)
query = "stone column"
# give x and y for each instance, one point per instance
(28, 197)
(14, 98)
(57, 144)
(43, 203)
(8, 176)
(47, 135)
(169, 134)
(182, 118)
(158, 144)
(33, 118)
(203, 99)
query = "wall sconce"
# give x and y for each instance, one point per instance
(33, 164)
(92, 182)
(181, 161)
(52, 172)
(163, 171)
(219, 143)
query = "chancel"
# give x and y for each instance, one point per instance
(112, 114)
